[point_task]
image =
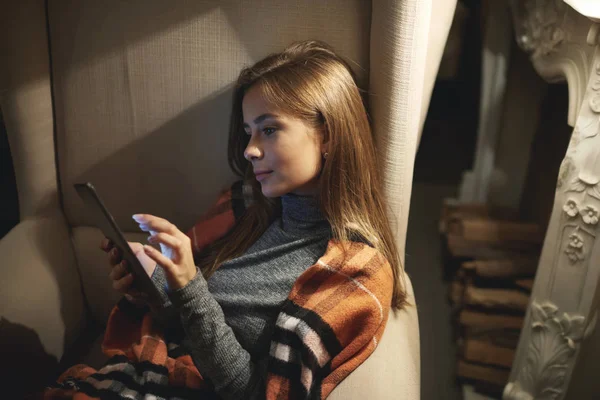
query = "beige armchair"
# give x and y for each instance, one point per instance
(135, 97)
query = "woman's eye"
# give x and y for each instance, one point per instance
(269, 131)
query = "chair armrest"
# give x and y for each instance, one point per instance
(41, 302)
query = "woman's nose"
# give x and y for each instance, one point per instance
(252, 151)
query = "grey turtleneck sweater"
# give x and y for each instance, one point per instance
(227, 320)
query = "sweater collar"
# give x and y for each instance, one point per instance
(301, 214)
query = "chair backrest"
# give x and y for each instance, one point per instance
(136, 98)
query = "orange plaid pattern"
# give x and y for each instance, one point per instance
(129, 341)
(334, 317)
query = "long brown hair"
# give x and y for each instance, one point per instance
(308, 80)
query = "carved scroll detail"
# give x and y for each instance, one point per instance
(554, 339)
(538, 25)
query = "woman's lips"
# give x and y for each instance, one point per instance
(263, 175)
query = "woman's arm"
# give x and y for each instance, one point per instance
(220, 218)
(212, 344)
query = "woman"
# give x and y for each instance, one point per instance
(284, 287)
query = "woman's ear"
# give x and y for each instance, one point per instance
(324, 148)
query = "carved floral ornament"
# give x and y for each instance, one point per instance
(588, 213)
(575, 249)
(554, 339)
(583, 195)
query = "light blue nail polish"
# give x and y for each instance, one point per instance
(144, 227)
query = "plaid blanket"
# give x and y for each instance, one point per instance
(330, 323)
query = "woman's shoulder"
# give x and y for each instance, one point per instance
(355, 256)
(362, 277)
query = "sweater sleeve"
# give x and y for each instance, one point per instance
(213, 346)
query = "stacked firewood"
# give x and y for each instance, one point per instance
(490, 263)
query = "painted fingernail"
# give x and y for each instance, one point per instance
(152, 239)
(144, 227)
(137, 217)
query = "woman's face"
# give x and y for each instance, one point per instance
(287, 148)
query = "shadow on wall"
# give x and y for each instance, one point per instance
(160, 162)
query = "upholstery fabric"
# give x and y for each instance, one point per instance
(398, 55)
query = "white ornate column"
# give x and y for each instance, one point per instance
(564, 41)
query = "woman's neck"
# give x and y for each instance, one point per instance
(301, 214)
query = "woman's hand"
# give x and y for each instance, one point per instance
(176, 258)
(121, 278)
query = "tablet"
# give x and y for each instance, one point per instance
(104, 220)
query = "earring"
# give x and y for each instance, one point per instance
(325, 155)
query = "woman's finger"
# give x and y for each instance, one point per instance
(106, 244)
(115, 256)
(123, 284)
(118, 271)
(160, 259)
(166, 239)
(150, 223)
